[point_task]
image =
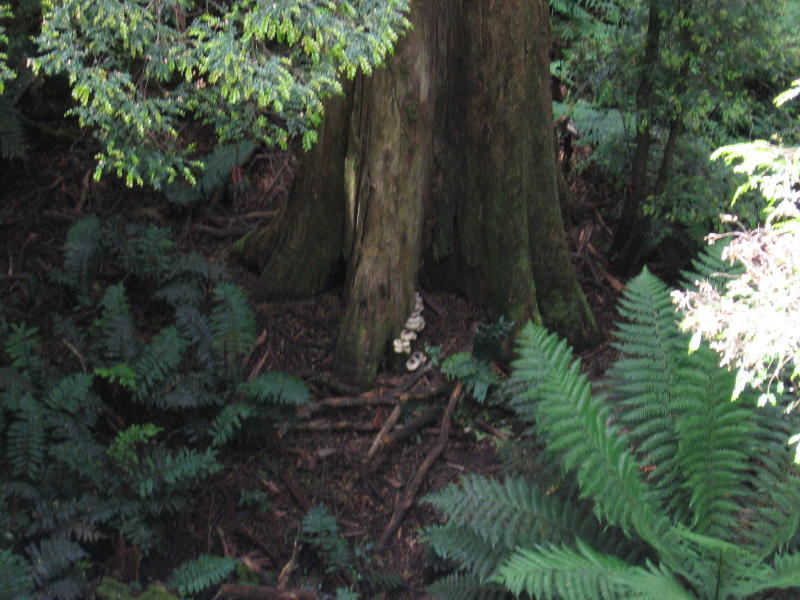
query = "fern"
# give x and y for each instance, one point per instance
(276, 388)
(200, 574)
(708, 484)
(15, 579)
(320, 528)
(82, 257)
(476, 375)
(157, 362)
(218, 165)
(233, 327)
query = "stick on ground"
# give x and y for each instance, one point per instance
(406, 500)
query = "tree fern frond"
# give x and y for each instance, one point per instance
(197, 575)
(579, 573)
(464, 586)
(275, 387)
(710, 266)
(575, 427)
(710, 432)
(467, 548)
(23, 347)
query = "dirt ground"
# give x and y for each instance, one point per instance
(323, 457)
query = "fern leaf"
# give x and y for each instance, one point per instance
(463, 586)
(197, 575)
(26, 440)
(784, 573)
(579, 573)
(276, 388)
(233, 324)
(574, 425)
(711, 455)
(196, 328)
(229, 419)
(69, 393)
(158, 362)
(53, 557)
(15, 578)
(118, 340)
(82, 257)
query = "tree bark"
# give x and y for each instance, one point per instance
(457, 125)
(301, 253)
(387, 170)
(625, 238)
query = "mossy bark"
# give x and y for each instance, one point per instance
(457, 125)
(387, 169)
(301, 253)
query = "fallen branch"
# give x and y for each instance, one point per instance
(421, 420)
(406, 500)
(387, 425)
(326, 425)
(232, 591)
(377, 398)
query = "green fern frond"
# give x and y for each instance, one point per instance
(52, 558)
(158, 362)
(218, 165)
(511, 512)
(118, 339)
(82, 257)
(26, 440)
(228, 421)
(578, 573)
(575, 427)
(69, 393)
(784, 573)
(196, 327)
(464, 586)
(319, 527)
(476, 375)
(233, 324)
(192, 391)
(710, 431)
(143, 250)
(710, 266)
(15, 578)
(470, 551)
(276, 388)
(24, 348)
(197, 575)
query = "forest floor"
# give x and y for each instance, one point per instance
(323, 457)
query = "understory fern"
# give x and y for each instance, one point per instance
(682, 493)
(107, 441)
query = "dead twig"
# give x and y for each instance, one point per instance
(326, 425)
(387, 425)
(406, 500)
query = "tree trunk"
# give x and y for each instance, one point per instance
(301, 253)
(497, 215)
(387, 170)
(625, 237)
(457, 122)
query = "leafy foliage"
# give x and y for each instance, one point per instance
(682, 493)
(83, 462)
(200, 574)
(256, 70)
